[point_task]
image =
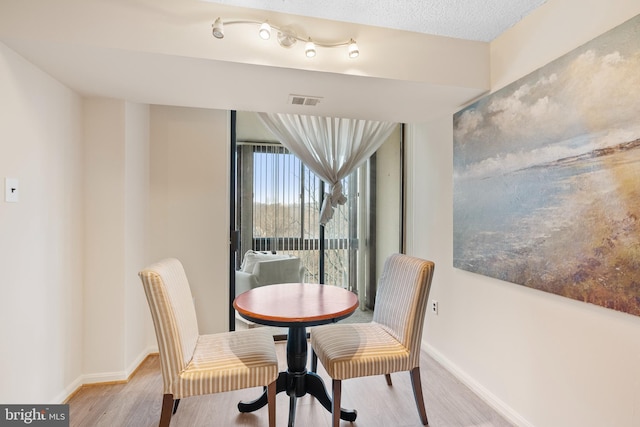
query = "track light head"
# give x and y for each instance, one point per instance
(310, 49)
(218, 29)
(352, 49)
(265, 31)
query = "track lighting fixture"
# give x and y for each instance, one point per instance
(286, 37)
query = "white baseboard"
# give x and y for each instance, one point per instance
(68, 391)
(491, 399)
(104, 377)
(141, 357)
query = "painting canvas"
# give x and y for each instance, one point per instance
(547, 176)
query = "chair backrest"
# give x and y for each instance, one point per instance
(174, 317)
(401, 299)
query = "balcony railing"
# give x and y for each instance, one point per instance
(337, 264)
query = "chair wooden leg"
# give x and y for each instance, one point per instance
(314, 361)
(167, 408)
(335, 408)
(175, 406)
(388, 378)
(417, 394)
(271, 403)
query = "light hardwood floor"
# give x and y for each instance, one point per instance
(137, 403)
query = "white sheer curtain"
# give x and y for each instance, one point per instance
(331, 147)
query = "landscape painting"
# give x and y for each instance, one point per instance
(547, 176)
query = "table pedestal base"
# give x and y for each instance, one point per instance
(297, 381)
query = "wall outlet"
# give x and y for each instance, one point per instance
(434, 307)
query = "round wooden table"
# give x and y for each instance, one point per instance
(296, 306)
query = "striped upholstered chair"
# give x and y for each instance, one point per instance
(194, 364)
(390, 342)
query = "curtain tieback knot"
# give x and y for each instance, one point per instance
(331, 201)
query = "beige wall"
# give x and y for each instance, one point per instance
(116, 321)
(73, 309)
(104, 129)
(155, 187)
(189, 203)
(138, 332)
(388, 203)
(41, 236)
(541, 359)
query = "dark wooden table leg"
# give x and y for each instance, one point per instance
(296, 367)
(296, 381)
(302, 381)
(292, 410)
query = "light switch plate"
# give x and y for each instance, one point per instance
(11, 192)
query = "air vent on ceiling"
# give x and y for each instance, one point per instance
(304, 100)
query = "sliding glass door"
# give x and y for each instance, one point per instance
(278, 207)
(277, 201)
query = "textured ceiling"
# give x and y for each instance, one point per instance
(481, 20)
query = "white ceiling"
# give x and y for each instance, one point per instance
(481, 20)
(162, 52)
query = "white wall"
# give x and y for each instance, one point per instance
(71, 248)
(139, 333)
(541, 359)
(41, 257)
(104, 130)
(190, 203)
(116, 320)
(388, 203)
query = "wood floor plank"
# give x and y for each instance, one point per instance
(137, 403)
